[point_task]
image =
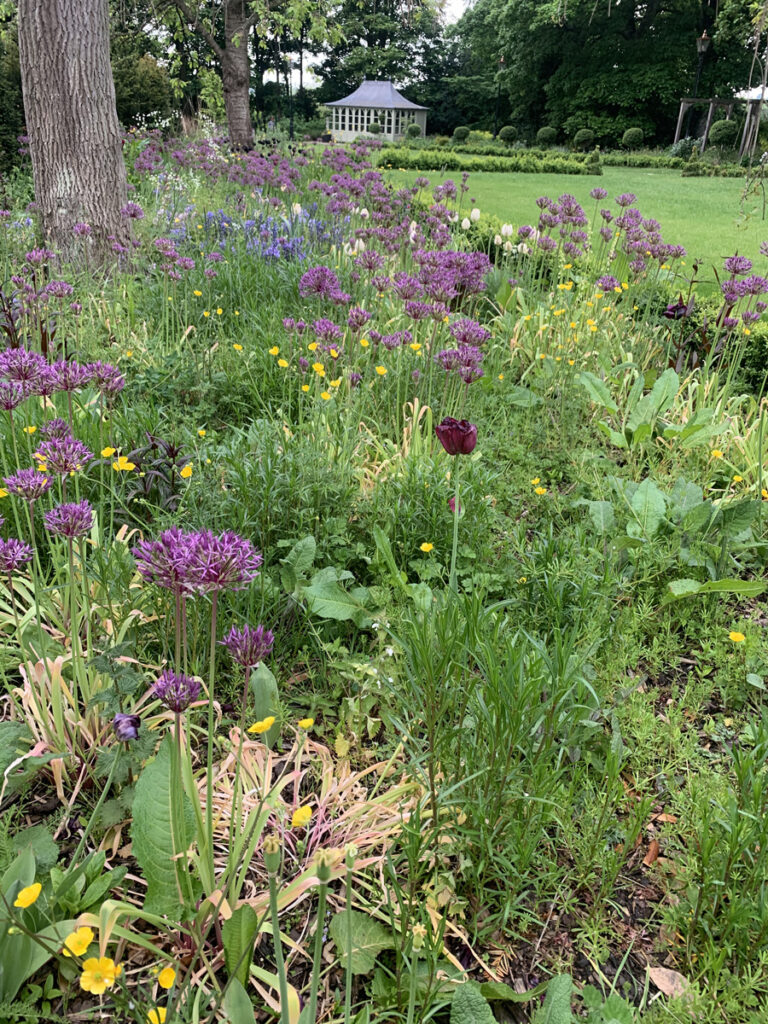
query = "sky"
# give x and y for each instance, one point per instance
(454, 10)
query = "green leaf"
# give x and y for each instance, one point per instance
(522, 398)
(601, 514)
(738, 516)
(689, 588)
(369, 938)
(14, 741)
(296, 564)
(597, 391)
(493, 990)
(99, 888)
(648, 506)
(330, 601)
(616, 436)
(21, 956)
(469, 1006)
(237, 1005)
(557, 1004)
(40, 841)
(151, 833)
(266, 700)
(239, 933)
(385, 550)
(664, 392)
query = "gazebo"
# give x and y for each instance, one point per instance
(374, 101)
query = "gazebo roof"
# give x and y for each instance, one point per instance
(382, 95)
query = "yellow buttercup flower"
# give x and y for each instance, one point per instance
(737, 637)
(325, 395)
(123, 464)
(426, 547)
(335, 383)
(263, 726)
(306, 723)
(77, 942)
(305, 387)
(99, 974)
(206, 312)
(28, 895)
(201, 433)
(219, 311)
(737, 479)
(186, 472)
(237, 348)
(301, 817)
(716, 453)
(4, 493)
(30, 430)
(319, 369)
(157, 1016)
(415, 345)
(166, 977)
(334, 354)
(282, 363)
(196, 292)
(312, 346)
(540, 490)
(364, 342)
(274, 351)
(381, 370)
(536, 480)
(107, 453)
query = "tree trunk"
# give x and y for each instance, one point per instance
(236, 75)
(74, 134)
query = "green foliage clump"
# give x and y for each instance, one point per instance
(546, 136)
(508, 134)
(723, 134)
(404, 158)
(584, 139)
(375, 128)
(413, 131)
(460, 133)
(632, 138)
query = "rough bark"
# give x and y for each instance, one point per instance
(74, 134)
(236, 75)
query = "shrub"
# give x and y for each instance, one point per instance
(413, 131)
(723, 134)
(374, 128)
(584, 139)
(683, 147)
(632, 138)
(461, 133)
(508, 134)
(546, 136)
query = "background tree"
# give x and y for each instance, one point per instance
(74, 134)
(142, 84)
(11, 105)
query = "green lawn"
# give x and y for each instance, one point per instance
(703, 214)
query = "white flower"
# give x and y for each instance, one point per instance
(497, 239)
(465, 224)
(507, 230)
(508, 247)
(474, 215)
(296, 209)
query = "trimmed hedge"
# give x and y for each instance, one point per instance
(440, 160)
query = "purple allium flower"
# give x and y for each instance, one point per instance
(729, 322)
(176, 690)
(76, 308)
(71, 520)
(167, 561)
(761, 306)
(320, 281)
(357, 318)
(21, 365)
(13, 554)
(289, 323)
(607, 216)
(606, 234)
(525, 231)
(223, 561)
(132, 211)
(81, 229)
(326, 331)
(58, 289)
(737, 265)
(214, 257)
(405, 286)
(469, 332)
(764, 248)
(71, 376)
(354, 379)
(750, 317)
(185, 263)
(63, 455)
(458, 437)
(754, 285)
(56, 428)
(598, 193)
(546, 243)
(608, 282)
(370, 260)
(36, 257)
(126, 727)
(29, 484)
(249, 646)
(107, 378)
(303, 364)
(626, 199)
(210, 273)
(11, 394)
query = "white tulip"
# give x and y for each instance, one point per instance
(465, 225)
(474, 215)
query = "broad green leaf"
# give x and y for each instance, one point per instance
(40, 841)
(738, 516)
(469, 1006)
(330, 601)
(21, 956)
(369, 938)
(385, 550)
(239, 933)
(685, 496)
(14, 741)
(616, 436)
(597, 391)
(701, 517)
(296, 564)
(648, 506)
(237, 1005)
(99, 888)
(266, 701)
(689, 588)
(602, 516)
(557, 1004)
(683, 588)
(151, 833)
(664, 392)
(522, 398)
(637, 406)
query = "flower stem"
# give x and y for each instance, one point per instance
(279, 962)
(209, 760)
(316, 962)
(452, 578)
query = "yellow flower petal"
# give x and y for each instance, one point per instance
(737, 637)
(77, 942)
(262, 726)
(157, 1016)
(166, 977)
(107, 453)
(306, 723)
(186, 472)
(301, 817)
(28, 895)
(426, 547)
(381, 370)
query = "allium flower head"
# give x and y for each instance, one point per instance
(107, 378)
(56, 428)
(469, 332)
(14, 554)
(126, 727)
(737, 265)
(19, 364)
(71, 520)
(167, 561)
(249, 646)
(64, 455)
(71, 376)
(29, 484)
(11, 394)
(132, 211)
(176, 690)
(223, 561)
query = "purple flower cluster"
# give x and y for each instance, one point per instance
(249, 646)
(466, 361)
(469, 332)
(63, 455)
(323, 283)
(29, 484)
(197, 562)
(14, 554)
(70, 520)
(176, 690)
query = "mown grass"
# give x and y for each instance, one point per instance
(706, 215)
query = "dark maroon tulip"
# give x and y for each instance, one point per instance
(458, 437)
